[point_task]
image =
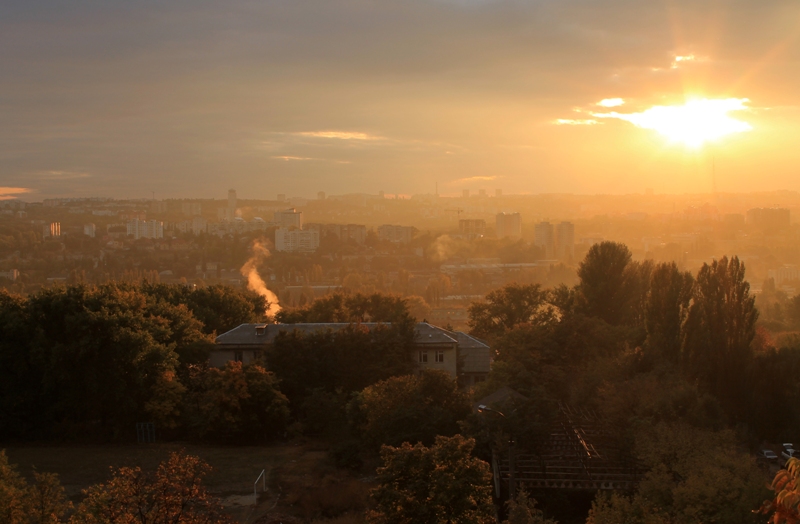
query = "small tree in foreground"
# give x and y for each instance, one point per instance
(175, 494)
(440, 484)
(785, 507)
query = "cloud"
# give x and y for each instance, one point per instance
(574, 122)
(61, 175)
(289, 158)
(7, 193)
(475, 179)
(611, 102)
(340, 135)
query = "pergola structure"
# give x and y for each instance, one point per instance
(579, 454)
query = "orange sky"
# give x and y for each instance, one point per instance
(190, 98)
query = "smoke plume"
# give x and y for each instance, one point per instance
(254, 280)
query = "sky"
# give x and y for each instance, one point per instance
(183, 99)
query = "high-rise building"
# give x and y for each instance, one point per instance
(191, 209)
(52, 230)
(90, 230)
(289, 218)
(769, 217)
(296, 240)
(281, 197)
(565, 241)
(481, 192)
(472, 228)
(544, 237)
(145, 228)
(498, 192)
(400, 234)
(465, 193)
(508, 225)
(321, 195)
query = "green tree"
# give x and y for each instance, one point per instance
(718, 331)
(440, 484)
(509, 307)
(241, 403)
(412, 408)
(694, 475)
(611, 286)
(666, 308)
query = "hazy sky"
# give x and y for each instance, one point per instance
(186, 99)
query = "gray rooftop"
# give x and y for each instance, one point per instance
(261, 334)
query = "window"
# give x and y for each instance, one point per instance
(423, 357)
(440, 356)
(237, 356)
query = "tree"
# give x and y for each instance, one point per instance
(174, 494)
(440, 484)
(611, 286)
(358, 307)
(412, 408)
(522, 510)
(694, 475)
(666, 308)
(509, 307)
(784, 508)
(44, 502)
(241, 403)
(719, 328)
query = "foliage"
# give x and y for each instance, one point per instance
(43, 502)
(666, 307)
(339, 307)
(432, 485)
(219, 308)
(174, 494)
(784, 508)
(522, 510)
(718, 331)
(612, 287)
(412, 408)
(509, 307)
(349, 359)
(238, 402)
(693, 476)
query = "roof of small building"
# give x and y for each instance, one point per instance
(261, 334)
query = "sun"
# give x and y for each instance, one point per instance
(694, 123)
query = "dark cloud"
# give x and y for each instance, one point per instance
(189, 98)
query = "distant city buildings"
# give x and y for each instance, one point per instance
(769, 217)
(145, 228)
(90, 230)
(289, 218)
(508, 225)
(11, 274)
(398, 234)
(544, 237)
(355, 232)
(296, 240)
(472, 228)
(321, 195)
(191, 209)
(52, 230)
(228, 214)
(787, 273)
(565, 241)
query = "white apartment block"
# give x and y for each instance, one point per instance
(145, 228)
(296, 240)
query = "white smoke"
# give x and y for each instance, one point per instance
(254, 280)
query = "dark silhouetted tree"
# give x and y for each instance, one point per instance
(509, 307)
(666, 308)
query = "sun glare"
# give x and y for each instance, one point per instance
(693, 124)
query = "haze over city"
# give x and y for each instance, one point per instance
(186, 99)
